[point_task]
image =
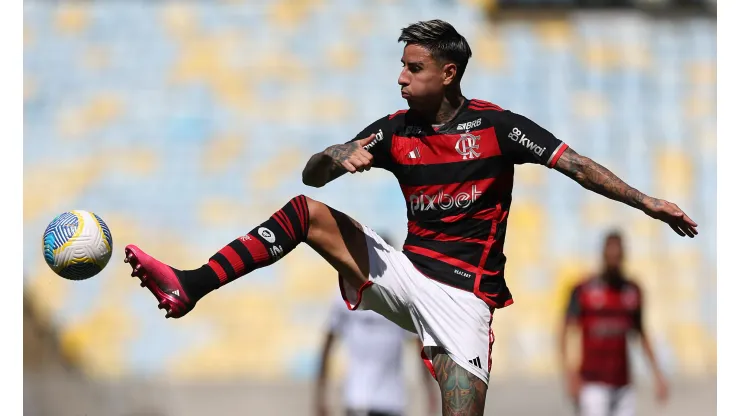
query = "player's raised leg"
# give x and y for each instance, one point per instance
(463, 393)
(334, 235)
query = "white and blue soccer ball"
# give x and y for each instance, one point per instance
(77, 245)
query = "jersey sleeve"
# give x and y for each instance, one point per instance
(521, 140)
(380, 147)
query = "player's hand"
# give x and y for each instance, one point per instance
(573, 381)
(352, 156)
(661, 390)
(672, 215)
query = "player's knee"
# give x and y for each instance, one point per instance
(316, 210)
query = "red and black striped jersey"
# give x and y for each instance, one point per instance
(457, 180)
(606, 313)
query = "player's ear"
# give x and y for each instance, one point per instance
(449, 72)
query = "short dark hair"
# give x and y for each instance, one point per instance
(442, 41)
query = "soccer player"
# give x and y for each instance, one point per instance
(607, 307)
(374, 384)
(454, 160)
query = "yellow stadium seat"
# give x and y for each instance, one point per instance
(100, 111)
(554, 33)
(139, 161)
(492, 50)
(199, 59)
(100, 335)
(690, 342)
(699, 106)
(72, 18)
(343, 56)
(307, 276)
(270, 174)
(598, 213)
(103, 109)
(590, 104)
(675, 175)
(644, 228)
(38, 198)
(600, 56)
(359, 24)
(48, 290)
(289, 14)
(180, 20)
(248, 330)
(220, 212)
(635, 56)
(702, 72)
(222, 152)
(329, 108)
(529, 176)
(234, 90)
(478, 3)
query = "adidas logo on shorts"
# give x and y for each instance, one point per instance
(476, 362)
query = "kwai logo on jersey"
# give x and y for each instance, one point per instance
(420, 202)
(467, 145)
(469, 125)
(378, 138)
(517, 136)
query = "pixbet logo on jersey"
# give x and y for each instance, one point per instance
(517, 136)
(421, 202)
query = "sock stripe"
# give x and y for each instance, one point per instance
(252, 251)
(299, 206)
(234, 259)
(241, 250)
(257, 250)
(281, 222)
(220, 272)
(224, 262)
(304, 208)
(287, 221)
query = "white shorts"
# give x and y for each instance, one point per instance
(443, 316)
(598, 399)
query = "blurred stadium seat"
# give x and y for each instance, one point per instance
(182, 124)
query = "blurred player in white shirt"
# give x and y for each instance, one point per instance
(374, 384)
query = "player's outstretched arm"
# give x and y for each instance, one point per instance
(599, 179)
(324, 167)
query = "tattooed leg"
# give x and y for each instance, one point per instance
(463, 394)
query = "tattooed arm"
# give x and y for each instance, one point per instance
(336, 160)
(599, 179)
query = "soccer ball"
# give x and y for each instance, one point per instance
(77, 245)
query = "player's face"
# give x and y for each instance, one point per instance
(423, 79)
(613, 253)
